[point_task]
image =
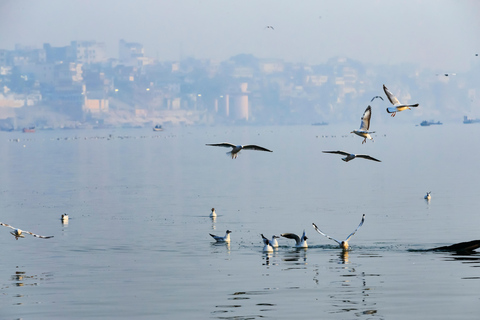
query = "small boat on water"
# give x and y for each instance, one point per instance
(30, 129)
(158, 128)
(466, 120)
(426, 123)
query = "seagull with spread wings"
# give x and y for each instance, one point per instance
(376, 98)
(273, 242)
(365, 125)
(351, 156)
(397, 106)
(299, 242)
(17, 233)
(343, 244)
(236, 149)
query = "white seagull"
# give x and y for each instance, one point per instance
(64, 218)
(299, 242)
(351, 156)
(273, 242)
(365, 125)
(213, 214)
(397, 106)
(236, 149)
(17, 233)
(428, 196)
(268, 246)
(222, 239)
(343, 244)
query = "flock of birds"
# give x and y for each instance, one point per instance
(300, 242)
(363, 131)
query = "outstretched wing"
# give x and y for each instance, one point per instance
(343, 153)
(361, 223)
(255, 147)
(7, 225)
(223, 144)
(323, 234)
(365, 124)
(365, 156)
(390, 96)
(37, 235)
(291, 236)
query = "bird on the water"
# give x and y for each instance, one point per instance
(343, 244)
(351, 156)
(273, 242)
(236, 149)
(300, 242)
(213, 214)
(226, 238)
(365, 125)
(397, 106)
(17, 233)
(428, 196)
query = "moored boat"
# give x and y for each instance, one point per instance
(158, 128)
(30, 129)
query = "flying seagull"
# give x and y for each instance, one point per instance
(273, 242)
(376, 98)
(17, 233)
(269, 27)
(364, 126)
(351, 156)
(397, 106)
(343, 244)
(236, 149)
(299, 242)
(222, 239)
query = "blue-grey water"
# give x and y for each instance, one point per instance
(137, 245)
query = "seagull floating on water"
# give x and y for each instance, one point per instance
(376, 98)
(351, 156)
(236, 149)
(343, 244)
(428, 196)
(222, 239)
(299, 242)
(17, 233)
(64, 218)
(273, 242)
(213, 214)
(397, 106)
(268, 246)
(365, 125)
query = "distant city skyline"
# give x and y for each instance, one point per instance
(438, 34)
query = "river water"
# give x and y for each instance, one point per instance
(137, 244)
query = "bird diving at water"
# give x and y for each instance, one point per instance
(236, 149)
(397, 106)
(351, 156)
(343, 244)
(17, 233)
(365, 125)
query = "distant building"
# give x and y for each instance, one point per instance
(239, 107)
(86, 52)
(131, 53)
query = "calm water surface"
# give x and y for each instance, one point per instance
(137, 244)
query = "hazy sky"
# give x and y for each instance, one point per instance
(442, 34)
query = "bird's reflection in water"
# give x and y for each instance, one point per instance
(269, 258)
(350, 292)
(296, 258)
